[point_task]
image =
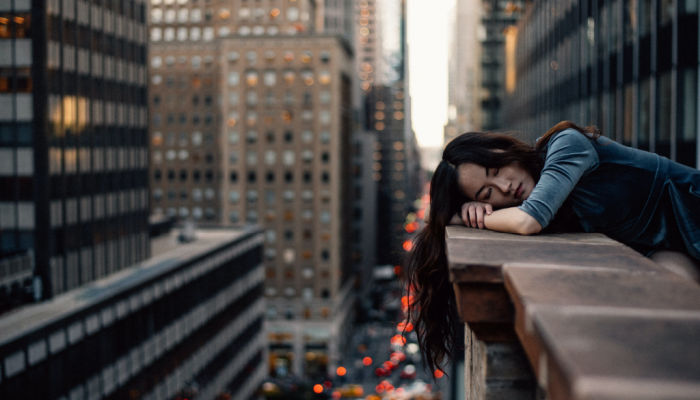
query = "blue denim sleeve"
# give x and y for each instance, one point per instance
(569, 156)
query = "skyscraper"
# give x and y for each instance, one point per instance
(73, 138)
(464, 69)
(251, 121)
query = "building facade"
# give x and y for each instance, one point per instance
(251, 123)
(73, 139)
(629, 67)
(187, 322)
(464, 69)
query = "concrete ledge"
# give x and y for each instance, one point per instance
(596, 320)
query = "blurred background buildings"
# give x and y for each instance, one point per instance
(120, 119)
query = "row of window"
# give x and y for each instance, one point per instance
(252, 177)
(305, 56)
(207, 34)
(195, 15)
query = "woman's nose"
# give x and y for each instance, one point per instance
(503, 185)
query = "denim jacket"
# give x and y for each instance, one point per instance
(638, 198)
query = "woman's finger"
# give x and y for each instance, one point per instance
(480, 217)
(472, 216)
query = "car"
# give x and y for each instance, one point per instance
(408, 372)
(382, 371)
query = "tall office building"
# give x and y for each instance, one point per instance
(631, 68)
(464, 69)
(251, 121)
(73, 141)
(498, 68)
(386, 112)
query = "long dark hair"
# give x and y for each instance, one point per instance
(432, 307)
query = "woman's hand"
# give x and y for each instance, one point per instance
(473, 213)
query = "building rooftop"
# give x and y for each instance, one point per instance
(168, 254)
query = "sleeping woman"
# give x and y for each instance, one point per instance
(574, 179)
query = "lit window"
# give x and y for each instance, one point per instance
(272, 30)
(195, 15)
(208, 34)
(251, 118)
(288, 157)
(324, 77)
(156, 15)
(170, 16)
(183, 154)
(156, 34)
(288, 256)
(308, 77)
(157, 157)
(288, 195)
(182, 15)
(209, 193)
(306, 57)
(233, 79)
(258, 30)
(307, 115)
(270, 236)
(270, 157)
(197, 194)
(270, 78)
(224, 31)
(251, 78)
(325, 217)
(170, 155)
(244, 12)
(292, 13)
(234, 196)
(244, 30)
(289, 77)
(288, 56)
(197, 212)
(169, 34)
(196, 138)
(307, 195)
(195, 34)
(224, 13)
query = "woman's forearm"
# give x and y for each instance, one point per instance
(512, 220)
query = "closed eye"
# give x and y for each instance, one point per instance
(488, 194)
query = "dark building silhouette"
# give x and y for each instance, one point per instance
(629, 67)
(187, 322)
(73, 141)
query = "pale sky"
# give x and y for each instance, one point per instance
(427, 46)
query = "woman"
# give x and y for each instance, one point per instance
(573, 179)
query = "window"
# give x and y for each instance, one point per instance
(233, 80)
(233, 176)
(252, 158)
(252, 98)
(234, 196)
(270, 78)
(251, 78)
(270, 157)
(288, 157)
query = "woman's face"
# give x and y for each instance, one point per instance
(506, 186)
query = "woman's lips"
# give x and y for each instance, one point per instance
(519, 191)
